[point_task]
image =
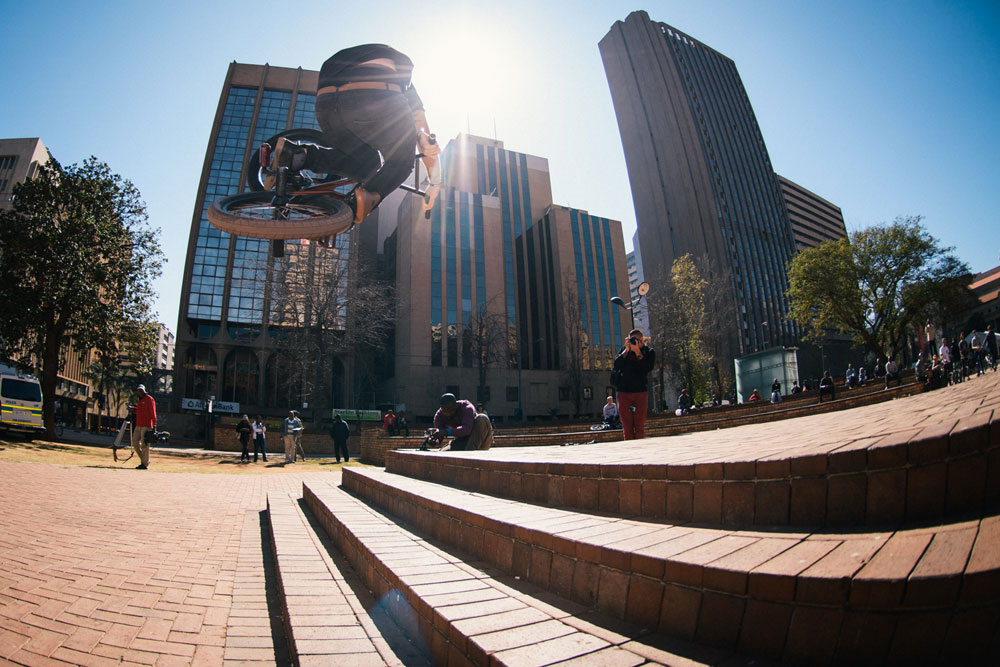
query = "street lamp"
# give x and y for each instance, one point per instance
(642, 290)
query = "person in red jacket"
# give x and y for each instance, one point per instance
(145, 419)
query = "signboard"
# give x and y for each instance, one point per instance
(213, 406)
(363, 415)
(226, 408)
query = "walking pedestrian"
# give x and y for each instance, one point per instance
(145, 419)
(290, 428)
(244, 431)
(339, 432)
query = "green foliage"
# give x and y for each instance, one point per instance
(77, 261)
(877, 285)
(680, 305)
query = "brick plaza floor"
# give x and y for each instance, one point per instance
(120, 566)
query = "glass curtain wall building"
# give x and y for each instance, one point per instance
(701, 178)
(500, 262)
(239, 304)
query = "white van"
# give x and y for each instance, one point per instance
(20, 402)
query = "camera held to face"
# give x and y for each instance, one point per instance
(633, 340)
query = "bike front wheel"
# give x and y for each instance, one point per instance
(254, 214)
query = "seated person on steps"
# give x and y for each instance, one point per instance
(371, 117)
(827, 386)
(611, 413)
(460, 419)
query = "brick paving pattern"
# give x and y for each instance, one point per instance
(106, 567)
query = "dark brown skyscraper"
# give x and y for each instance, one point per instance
(702, 181)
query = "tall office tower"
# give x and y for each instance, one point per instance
(701, 179)
(503, 297)
(813, 219)
(238, 303)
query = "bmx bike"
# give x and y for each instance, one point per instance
(303, 204)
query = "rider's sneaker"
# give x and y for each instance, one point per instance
(364, 203)
(285, 154)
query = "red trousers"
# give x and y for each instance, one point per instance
(632, 412)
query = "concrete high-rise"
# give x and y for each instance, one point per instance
(701, 178)
(813, 219)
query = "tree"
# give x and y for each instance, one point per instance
(318, 312)
(486, 342)
(77, 261)
(684, 314)
(577, 348)
(117, 376)
(876, 285)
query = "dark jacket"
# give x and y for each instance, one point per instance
(633, 370)
(340, 431)
(243, 429)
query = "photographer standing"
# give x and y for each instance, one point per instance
(634, 363)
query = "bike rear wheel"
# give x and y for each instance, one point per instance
(254, 214)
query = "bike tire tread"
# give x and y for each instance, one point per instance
(339, 221)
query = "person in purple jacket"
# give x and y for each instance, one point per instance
(459, 419)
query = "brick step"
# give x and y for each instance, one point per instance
(374, 451)
(926, 464)
(325, 607)
(467, 615)
(859, 596)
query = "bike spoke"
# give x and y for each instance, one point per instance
(291, 211)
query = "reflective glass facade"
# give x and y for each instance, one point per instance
(230, 296)
(457, 274)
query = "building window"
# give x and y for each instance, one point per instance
(511, 394)
(239, 377)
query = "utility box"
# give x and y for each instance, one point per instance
(759, 369)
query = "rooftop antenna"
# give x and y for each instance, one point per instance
(468, 123)
(495, 140)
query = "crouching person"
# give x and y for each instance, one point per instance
(459, 419)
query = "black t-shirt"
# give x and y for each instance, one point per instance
(346, 67)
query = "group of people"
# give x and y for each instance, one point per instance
(291, 435)
(394, 424)
(256, 432)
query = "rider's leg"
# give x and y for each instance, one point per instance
(357, 121)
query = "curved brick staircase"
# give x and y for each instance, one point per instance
(866, 536)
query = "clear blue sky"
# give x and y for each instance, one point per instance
(884, 108)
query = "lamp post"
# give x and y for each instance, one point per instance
(642, 290)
